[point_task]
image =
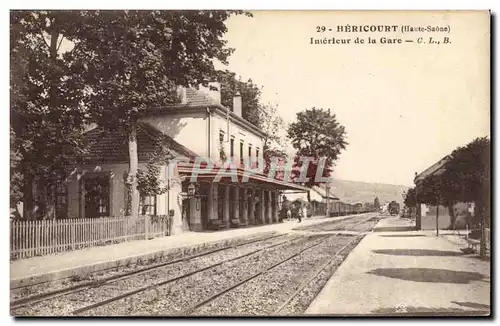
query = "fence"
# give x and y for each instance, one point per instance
(38, 238)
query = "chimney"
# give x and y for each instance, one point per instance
(181, 94)
(213, 93)
(237, 104)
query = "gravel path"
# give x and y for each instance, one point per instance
(62, 306)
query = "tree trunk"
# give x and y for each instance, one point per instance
(480, 209)
(482, 245)
(133, 167)
(45, 201)
(451, 212)
(28, 203)
(437, 220)
(418, 212)
(308, 196)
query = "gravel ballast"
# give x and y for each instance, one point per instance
(262, 295)
(173, 298)
(62, 306)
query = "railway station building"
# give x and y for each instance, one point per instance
(203, 193)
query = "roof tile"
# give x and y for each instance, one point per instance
(111, 146)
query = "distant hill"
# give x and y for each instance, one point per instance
(356, 191)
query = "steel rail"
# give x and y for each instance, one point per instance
(171, 280)
(15, 304)
(261, 272)
(313, 277)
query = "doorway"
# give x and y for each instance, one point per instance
(97, 193)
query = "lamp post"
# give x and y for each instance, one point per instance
(191, 191)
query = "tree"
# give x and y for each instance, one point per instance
(430, 193)
(274, 143)
(250, 95)
(133, 61)
(410, 199)
(376, 203)
(467, 174)
(46, 115)
(318, 135)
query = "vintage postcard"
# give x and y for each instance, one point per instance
(250, 163)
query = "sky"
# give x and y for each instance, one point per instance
(404, 106)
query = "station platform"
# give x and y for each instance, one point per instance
(86, 261)
(410, 273)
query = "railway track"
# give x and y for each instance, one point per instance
(79, 311)
(16, 304)
(336, 227)
(316, 273)
(329, 262)
(249, 278)
(40, 298)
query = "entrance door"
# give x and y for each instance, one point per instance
(242, 203)
(257, 213)
(97, 196)
(204, 187)
(220, 205)
(232, 203)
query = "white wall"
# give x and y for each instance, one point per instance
(187, 128)
(190, 129)
(117, 188)
(219, 123)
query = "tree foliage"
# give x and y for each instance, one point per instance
(376, 203)
(250, 95)
(46, 115)
(274, 142)
(467, 173)
(148, 180)
(134, 60)
(410, 199)
(465, 177)
(121, 63)
(317, 134)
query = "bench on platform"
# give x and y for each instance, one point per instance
(235, 223)
(473, 244)
(216, 225)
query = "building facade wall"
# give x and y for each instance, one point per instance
(76, 202)
(240, 134)
(462, 211)
(187, 128)
(117, 171)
